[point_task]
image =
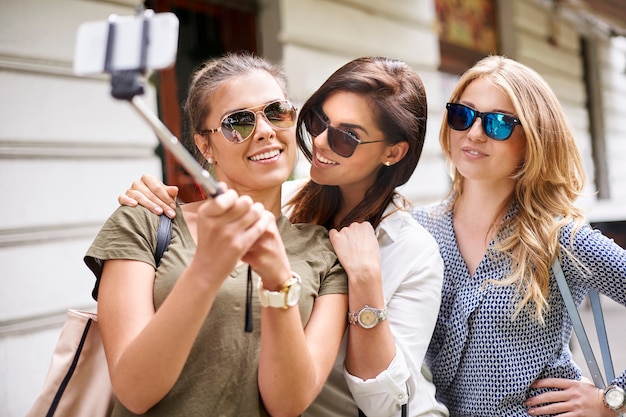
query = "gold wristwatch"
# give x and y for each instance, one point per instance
(367, 317)
(287, 296)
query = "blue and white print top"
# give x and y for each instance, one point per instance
(482, 359)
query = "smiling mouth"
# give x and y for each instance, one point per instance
(472, 152)
(265, 155)
(323, 160)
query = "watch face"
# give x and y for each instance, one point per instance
(368, 318)
(293, 295)
(614, 398)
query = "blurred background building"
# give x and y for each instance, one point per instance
(67, 149)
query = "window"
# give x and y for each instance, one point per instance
(467, 32)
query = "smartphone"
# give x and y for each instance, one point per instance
(92, 43)
(132, 51)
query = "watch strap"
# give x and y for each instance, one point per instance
(277, 299)
(353, 318)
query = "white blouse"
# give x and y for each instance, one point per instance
(412, 275)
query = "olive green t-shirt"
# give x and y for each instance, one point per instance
(220, 376)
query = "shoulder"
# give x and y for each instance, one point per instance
(311, 254)
(400, 225)
(581, 235)
(595, 259)
(432, 216)
(402, 237)
(433, 210)
(130, 220)
(306, 235)
(582, 240)
(129, 233)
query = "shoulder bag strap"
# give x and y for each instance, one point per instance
(164, 235)
(583, 340)
(598, 318)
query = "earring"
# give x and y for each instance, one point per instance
(210, 160)
(387, 164)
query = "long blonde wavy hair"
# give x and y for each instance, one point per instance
(548, 182)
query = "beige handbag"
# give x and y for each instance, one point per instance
(77, 383)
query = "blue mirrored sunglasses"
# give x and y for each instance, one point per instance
(497, 126)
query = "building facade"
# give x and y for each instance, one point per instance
(67, 149)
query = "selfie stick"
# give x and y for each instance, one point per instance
(127, 85)
(201, 175)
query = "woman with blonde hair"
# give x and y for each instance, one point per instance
(500, 347)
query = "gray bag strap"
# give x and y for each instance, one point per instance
(598, 319)
(583, 340)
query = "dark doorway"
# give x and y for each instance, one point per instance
(206, 30)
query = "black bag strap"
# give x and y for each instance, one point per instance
(164, 235)
(70, 372)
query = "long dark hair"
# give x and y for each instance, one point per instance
(398, 99)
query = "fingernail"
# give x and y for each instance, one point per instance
(157, 210)
(171, 213)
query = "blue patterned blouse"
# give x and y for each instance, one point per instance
(483, 361)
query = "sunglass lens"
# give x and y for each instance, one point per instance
(281, 114)
(238, 126)
(341, 142)
(314, 124)
(460, 117)
(498, 126)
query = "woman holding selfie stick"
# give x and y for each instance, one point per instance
(363, 131)
(174, 334)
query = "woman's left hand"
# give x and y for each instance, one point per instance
(573, 399)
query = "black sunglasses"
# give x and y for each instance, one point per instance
(340, 141)
(238, 126)
(497, 126)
